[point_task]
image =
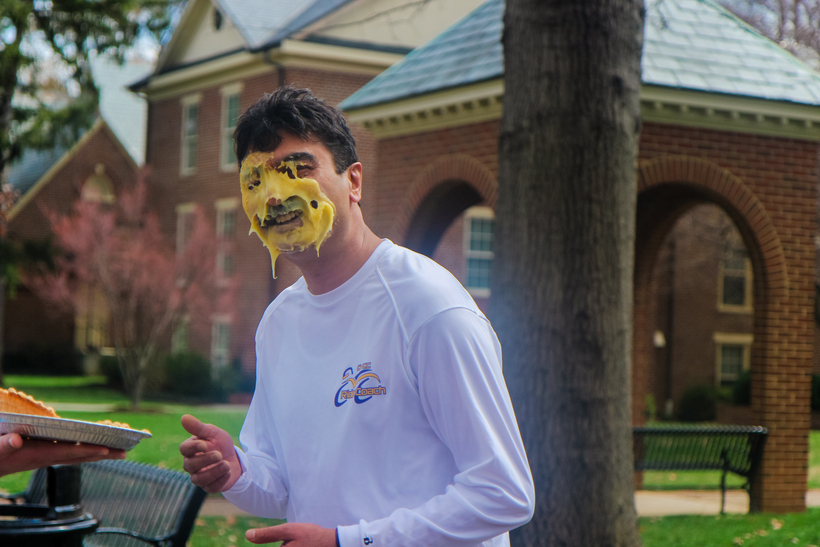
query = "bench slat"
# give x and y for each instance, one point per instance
(738, 449)
(161, 504)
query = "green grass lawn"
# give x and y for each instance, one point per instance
(758, 530)
(162, 449)
(689, 480)
(222, 531)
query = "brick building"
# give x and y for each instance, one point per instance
(104, 160)
(94, 169)
(730, 121)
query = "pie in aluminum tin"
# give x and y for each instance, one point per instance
(61, 429)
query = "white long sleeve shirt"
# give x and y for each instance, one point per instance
(380, 409)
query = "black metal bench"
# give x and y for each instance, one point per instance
(135, 503)
(738, 449)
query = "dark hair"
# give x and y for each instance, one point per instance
(299, 112)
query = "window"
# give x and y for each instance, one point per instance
(179, 340)
(230, 113)
(98, 187)
(226, 210)
(733, 356)
(735, 279)
(190, 120)
(91, 319)
(478, 250)
(185, 225)
(220, 342)
(218, 19)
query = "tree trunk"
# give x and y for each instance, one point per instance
(2, 314)
(562, 283)
(131, 375)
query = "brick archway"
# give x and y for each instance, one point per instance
(438, 194)
(668, 187)
(735, 197)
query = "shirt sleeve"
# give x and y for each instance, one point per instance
(456, 358)
(260, 490)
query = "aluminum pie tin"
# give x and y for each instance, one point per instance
(62, 429)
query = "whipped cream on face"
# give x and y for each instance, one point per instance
(288, 213)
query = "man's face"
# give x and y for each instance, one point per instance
(283, 194)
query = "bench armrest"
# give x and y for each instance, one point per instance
(157, 542)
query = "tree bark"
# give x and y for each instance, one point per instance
(2, 315)
(562, 283)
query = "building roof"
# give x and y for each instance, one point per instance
(688, 44)
(263, 23)
(123, 112)
(26, 170)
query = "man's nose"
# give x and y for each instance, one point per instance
(274, 201)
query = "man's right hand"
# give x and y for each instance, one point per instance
(209, 456)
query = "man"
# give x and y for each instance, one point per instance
(380, 416)
(17, 455)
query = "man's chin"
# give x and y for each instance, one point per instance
(293, 248)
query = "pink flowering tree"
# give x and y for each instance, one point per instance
(148, 286)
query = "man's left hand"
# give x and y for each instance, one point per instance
(294, 535)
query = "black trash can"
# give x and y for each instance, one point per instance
(61, 523)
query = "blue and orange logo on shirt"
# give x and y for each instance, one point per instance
(355, 386)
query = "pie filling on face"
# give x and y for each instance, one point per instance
(288, 213)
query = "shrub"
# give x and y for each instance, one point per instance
(742, 389)
(51, 360)
(110, 368)
(651, 408)
(815, 392)
(698, 404)
(188, 373)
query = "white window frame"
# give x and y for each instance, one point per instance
(179, 339)
(220, 355)
(98, 187)
(747, 307)
(224, 237)
(731, 339)
(91, 319)
(226, 141)
(188, 140)
(483, 212)
(184, 210)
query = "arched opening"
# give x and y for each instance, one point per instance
(701, 307)
(98, 187)
(700, 294)
(439, 208)
(782, 297)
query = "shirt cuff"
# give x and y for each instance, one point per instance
(244, 480)
(353, 536)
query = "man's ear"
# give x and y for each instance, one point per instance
(354, 179)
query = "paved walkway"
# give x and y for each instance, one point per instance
(648, 503)
(698, 502)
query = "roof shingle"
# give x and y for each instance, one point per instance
(688, 44)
